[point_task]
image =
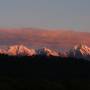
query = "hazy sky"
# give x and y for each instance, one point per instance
(45, 13)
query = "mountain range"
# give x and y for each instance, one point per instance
(79, 51)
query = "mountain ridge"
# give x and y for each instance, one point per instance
(79, 51)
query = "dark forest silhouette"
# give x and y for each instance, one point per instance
(42, 72)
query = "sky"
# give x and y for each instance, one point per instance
(68, 14)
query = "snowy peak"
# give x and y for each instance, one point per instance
(47, 52)
(81, 46)
(20, 50)
(83, 49)
(80, 51)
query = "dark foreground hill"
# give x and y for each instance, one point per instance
(44, 73)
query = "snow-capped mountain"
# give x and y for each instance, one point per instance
(80, 51)
(20, 50)
(46, 52)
